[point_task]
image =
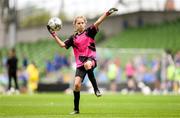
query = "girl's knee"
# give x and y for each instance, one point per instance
(77, 87)
(77, 84)
(88, 65)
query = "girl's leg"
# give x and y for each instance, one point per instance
(92, 79)
(76, 92)
(89, 65)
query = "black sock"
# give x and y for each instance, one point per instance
(76, 100)
(92, 79)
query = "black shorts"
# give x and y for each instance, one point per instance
(81, 71)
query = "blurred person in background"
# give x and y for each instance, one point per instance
(65, 60)
(176, 86)
(23, 77)
(24, 61)
(33, 77)
(112, 75)
(12, 66)
(102, 76)
(130, 72)
(57, 61)
(170, 77)
(49, 67)
(156, 71)
(83, 44)
(60, 61)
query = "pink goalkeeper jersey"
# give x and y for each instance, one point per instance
(83, 45)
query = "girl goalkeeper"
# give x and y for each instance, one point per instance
(83, 44)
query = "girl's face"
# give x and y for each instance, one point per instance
(80, 25)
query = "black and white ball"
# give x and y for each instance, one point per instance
(55, 23)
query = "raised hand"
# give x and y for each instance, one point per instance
(110, 11)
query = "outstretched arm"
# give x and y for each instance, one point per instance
(57, 39)
(103, 17)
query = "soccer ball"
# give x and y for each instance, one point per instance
(55, 23)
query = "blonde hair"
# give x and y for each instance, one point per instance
(75, 20)
(77, 17)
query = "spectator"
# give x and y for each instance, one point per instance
(12, 65)
(176, 82)
(65, 61)
(156, 70)
(33, 77)
(49, 66)
(22, 76)
(24, 61)
(170, 77)
(112, 75)
(130, 72)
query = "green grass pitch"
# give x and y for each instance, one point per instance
(55, 105)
